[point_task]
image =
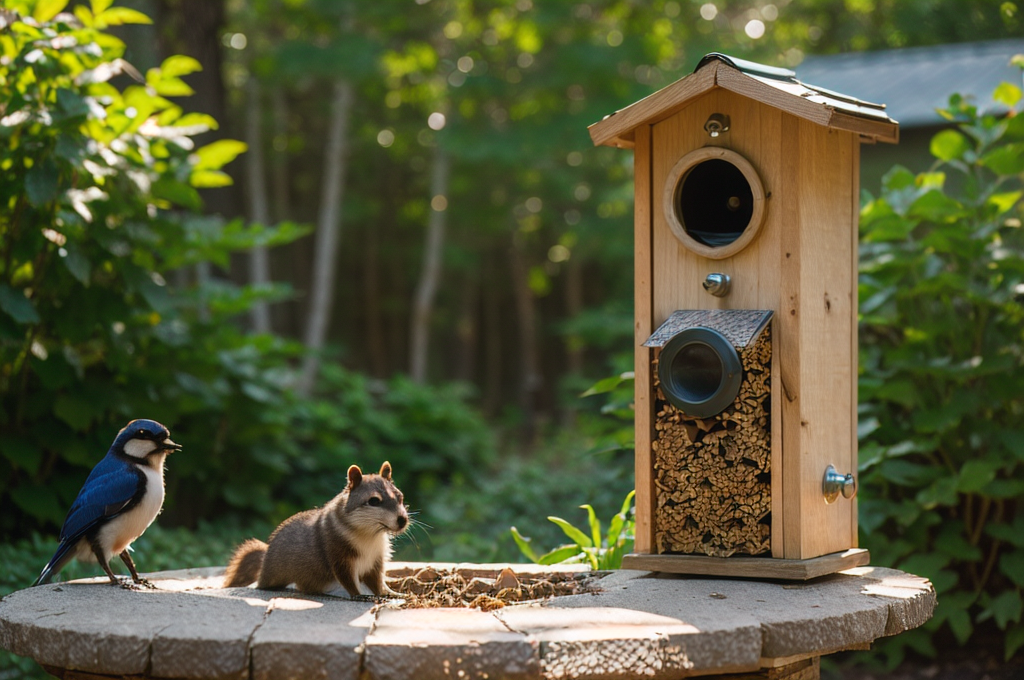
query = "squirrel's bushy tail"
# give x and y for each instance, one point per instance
(246, 564)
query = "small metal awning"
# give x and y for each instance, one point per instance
(739, 326)
(773, 86)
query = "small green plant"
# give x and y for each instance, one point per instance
(599, 551)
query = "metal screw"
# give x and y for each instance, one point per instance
(716, 124)
(717, 284)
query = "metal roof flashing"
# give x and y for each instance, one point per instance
(776, 87)
(745, 66)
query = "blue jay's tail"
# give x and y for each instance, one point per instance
(44, 577)
(56, 563)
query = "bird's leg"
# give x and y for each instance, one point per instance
(114, 580)
(127, 559)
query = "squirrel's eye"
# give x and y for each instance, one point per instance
(374, 501)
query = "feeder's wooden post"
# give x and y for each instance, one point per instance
(643, 326)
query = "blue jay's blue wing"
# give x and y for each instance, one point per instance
(107, 491)
(109, 488)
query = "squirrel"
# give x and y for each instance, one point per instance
(346, 542)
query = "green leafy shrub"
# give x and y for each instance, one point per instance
(97, 185)
(942, 384)
(104, 316)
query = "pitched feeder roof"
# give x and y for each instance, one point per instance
(773, 86)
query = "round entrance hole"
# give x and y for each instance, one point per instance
(714, 202)
(700, 372)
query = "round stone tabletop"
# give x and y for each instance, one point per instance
(637, 624)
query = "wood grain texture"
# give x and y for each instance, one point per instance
(803, 266)
(643, 326)
(750, 567)
(803, 669)
(757, 134)
(854, 323)
(788, 357)
(664, 102)
(825, 318)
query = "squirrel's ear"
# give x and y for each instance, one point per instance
(385, 471)
(355, 476)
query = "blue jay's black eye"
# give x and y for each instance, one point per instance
(374, 501)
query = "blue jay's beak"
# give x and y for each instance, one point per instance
(168, 445)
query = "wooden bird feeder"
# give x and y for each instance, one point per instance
(747, 204)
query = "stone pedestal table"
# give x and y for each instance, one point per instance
(636, 625)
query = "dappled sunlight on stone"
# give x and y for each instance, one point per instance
(294, 604)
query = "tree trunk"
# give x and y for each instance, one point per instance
(376, 343)
(494, 360)
(328, 231)
(259, 259)
(426, 289)
(573, 342)
(529, 353)
(279, 168)
(467, 328)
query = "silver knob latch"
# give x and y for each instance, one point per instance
(835, 483)
(717, 284)
(716, 124)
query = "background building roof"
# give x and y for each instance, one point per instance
(915, 81)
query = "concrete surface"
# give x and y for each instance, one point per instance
(638, 624)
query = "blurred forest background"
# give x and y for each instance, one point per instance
(338, 231)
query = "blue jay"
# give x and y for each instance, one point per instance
(119, 500)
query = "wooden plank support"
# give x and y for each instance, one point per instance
(642, 329)
(749, 567)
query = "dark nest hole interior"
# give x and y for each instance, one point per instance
(430, 587)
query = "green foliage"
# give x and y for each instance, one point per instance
(942, 384)
(107, 311)
(597, 550)
(95, 187)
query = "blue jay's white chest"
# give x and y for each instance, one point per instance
(118, 533)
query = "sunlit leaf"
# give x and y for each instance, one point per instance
(48, 9)
(179, 65)
(559, 555)
(172, 87)
(1007, 93)
(572, 532)
(595, 524)
(524, 545)
(115, 16)
(219, 153)
(208, 179)
(949, 145)
(1005, 202)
